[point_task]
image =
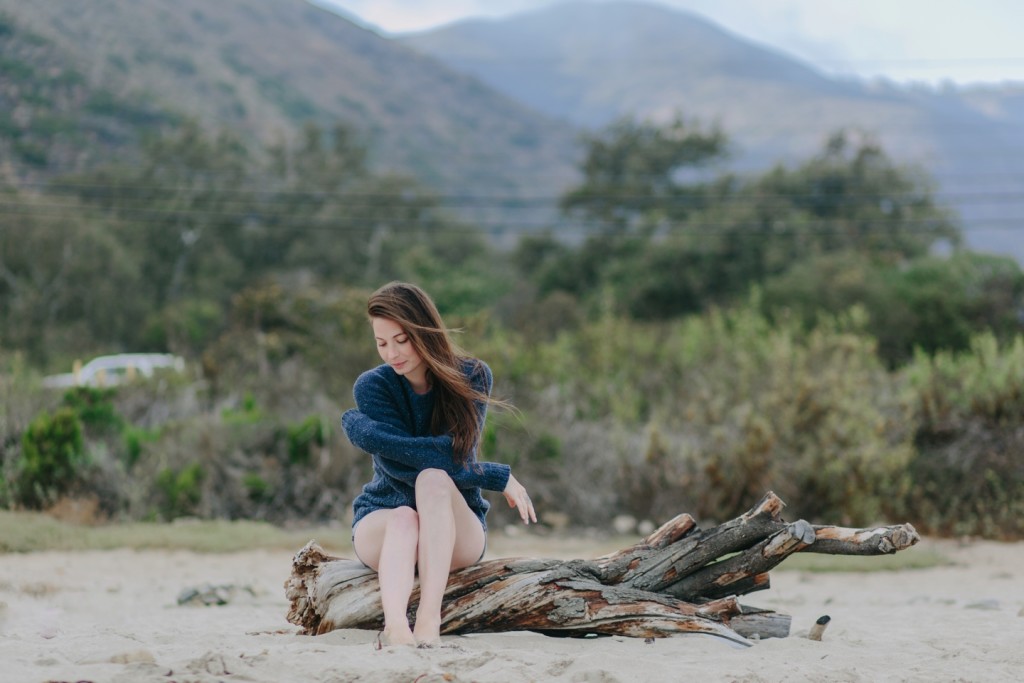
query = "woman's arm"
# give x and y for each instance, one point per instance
(486, 475)
(404, 457)
(378, 427)
(394, 442)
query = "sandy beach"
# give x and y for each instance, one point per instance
(114, 616)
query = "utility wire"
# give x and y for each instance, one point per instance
(783, 227)
(747, 195)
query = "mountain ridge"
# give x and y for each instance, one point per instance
(115, 70)
(775, 108)
(265, 69)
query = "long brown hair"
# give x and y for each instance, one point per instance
(454, 397)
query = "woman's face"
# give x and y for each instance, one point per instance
(396, 349)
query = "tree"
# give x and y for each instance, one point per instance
(639, 180)
(304, 221)
(928, 303)
(181, 215)
(640, 176)
(853, 197)
(65, 279)
(671, 240)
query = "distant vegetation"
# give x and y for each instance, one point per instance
(707, 337)
(681, 339)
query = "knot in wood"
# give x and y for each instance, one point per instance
(567, 609)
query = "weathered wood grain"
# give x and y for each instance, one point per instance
(680, 579)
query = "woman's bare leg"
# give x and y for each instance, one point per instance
(386, 540)
(450, 537)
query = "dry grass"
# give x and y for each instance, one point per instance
(34, 532)
(22, 532)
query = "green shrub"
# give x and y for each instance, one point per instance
(739, 405)
(303, 438)
(180, 491)
(134, 439)
(986, 383)
(191, 325)
(521, 441)
(257, 487)
(932, 303)
(814, 417)
(248, 414)
(972, 485)
(52, 458)
(31, 153)
(7, 25)
(967, 473)
(95, 408)
(15, 69)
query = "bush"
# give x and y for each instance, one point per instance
(52, 458)
(257, 487)
(249, 413)
(7, 25)
(967, 471)
(732, 404)
(303, 438)
(986, 384)
(929, 303)
(180, 491)
(699, 415)
(95, 408)
(134, 439)
(969, 484)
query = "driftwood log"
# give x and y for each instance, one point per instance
(680, 579)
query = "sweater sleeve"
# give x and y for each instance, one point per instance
(403, 457)
(377, 427)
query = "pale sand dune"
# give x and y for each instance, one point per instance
(112, 616)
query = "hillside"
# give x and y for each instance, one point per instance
(52, 119)
(263, 69)
(592, 62)
(477, 109)
(589, 63)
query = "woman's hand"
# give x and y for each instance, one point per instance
(518, 498)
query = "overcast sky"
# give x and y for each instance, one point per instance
(964, 41)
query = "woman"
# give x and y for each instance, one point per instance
(420, 416)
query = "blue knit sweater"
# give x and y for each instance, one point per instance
(392, 424)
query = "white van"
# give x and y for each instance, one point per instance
(108, 371)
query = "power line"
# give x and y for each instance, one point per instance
(779, 228)
(1012, 170)
(750, 194)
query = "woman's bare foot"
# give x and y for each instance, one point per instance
(397, 636)
(428, 632)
